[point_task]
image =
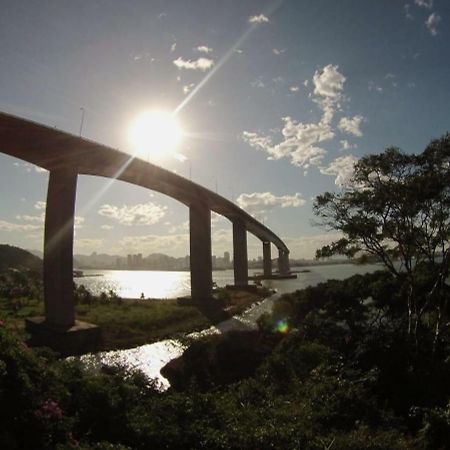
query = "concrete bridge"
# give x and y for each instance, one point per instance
(66, 156)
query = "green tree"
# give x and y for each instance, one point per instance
(397, 208)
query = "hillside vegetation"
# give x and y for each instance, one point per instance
(15, 258)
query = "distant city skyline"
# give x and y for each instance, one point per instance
(276, 100)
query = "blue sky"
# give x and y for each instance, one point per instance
(277, 100)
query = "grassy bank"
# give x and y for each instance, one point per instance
(128, 323)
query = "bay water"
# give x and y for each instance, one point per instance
(150, 358)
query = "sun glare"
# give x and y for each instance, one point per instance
(154, 134)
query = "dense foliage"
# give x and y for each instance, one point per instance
(397, 208)
(332, 367)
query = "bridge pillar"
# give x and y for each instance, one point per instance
(200, 252)
(283, 262)
(267, 260)
(58, 249)
(58, 329)
(240, 260)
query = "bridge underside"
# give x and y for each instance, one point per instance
(66, 156)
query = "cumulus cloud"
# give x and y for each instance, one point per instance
(432, 23)
(298, 144)
(407, 11)
(29, 218)
(424, 3)
(302, 143)
(294, 89)
(260, 18)
(204, 49)
(40, 204)
(140, 214)
(9, 226)
(30, 167)
(342, 168)
(78, 221)
(188, 88)
(345, 145)
(277, 51)
(259, 204)
(375, 87)
(351, 125)
(329, 82)
(258, 83)
(202, 64)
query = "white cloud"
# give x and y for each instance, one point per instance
(351, 125)
(424, 3)
(40, 204)
(202, 64)
(261, 203)
(28, 218)
(375, 87)
(204, 49)
(301, 143)
(298, 142)
(432, 22)
(294, 89)
(8, 226)
(30, 167)
(342, 168)
(329, 82)
(173, 47)
(261, 18)
(407, 11)
(78, 221)
(345, 145)
(257, 141)
(277, 51)
(107, 227)
(188, 88)
(140, 214)
(258, 83)
(179, 228)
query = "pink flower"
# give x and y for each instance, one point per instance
(49, 410)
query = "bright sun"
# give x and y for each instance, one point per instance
(154, 134)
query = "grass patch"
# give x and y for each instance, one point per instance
(129, 323)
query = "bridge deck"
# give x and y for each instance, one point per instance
(52, 149)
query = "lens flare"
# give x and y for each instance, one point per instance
(282, 326)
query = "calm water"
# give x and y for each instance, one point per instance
(164, 284)
(151, 358)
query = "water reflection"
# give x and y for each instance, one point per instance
(151, 358)
(166, 284)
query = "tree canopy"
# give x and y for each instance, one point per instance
(397, 208)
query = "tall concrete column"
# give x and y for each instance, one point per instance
(283, 262)
(200, 252)
(58, 249)
(240, 260)
(267, 259)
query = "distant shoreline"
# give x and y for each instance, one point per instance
(296, 265)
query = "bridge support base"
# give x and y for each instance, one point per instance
(77, 339)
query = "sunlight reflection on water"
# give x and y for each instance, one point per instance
(151, 358)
